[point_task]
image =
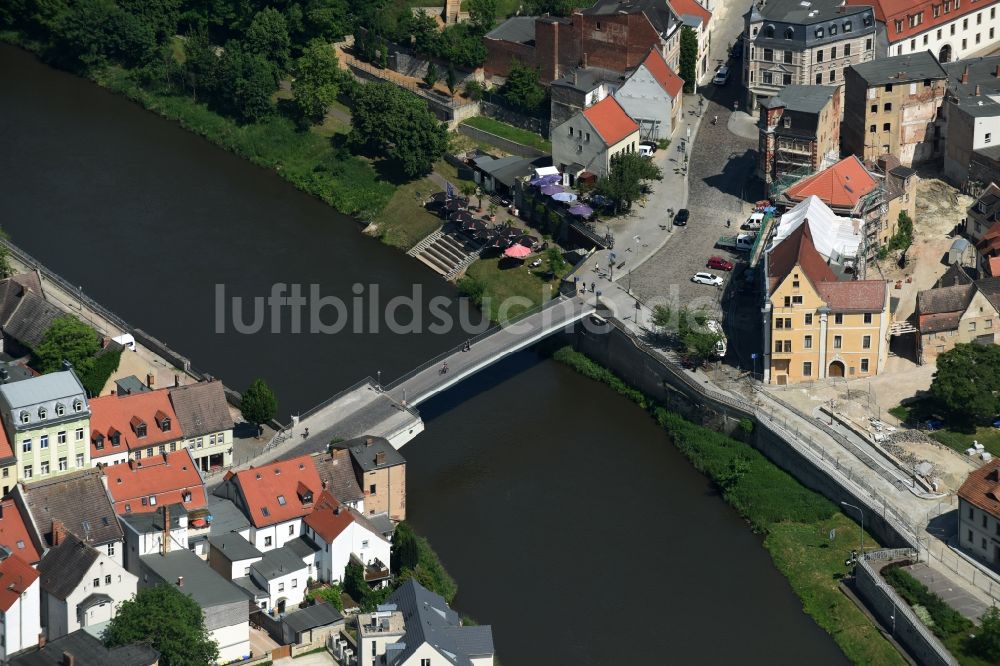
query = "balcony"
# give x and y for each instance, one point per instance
(376, 571)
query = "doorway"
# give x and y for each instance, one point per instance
(836, 369)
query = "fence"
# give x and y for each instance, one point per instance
(429, 94)
(500, 142)
(494, 106)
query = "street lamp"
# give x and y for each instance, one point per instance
(862, 514)
(378, 373)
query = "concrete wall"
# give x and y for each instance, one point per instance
(503, 144)
(893, 612)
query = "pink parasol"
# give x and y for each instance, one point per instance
(517, 252)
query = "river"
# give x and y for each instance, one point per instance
(569, 521)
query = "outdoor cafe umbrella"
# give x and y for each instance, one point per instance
(549, 190)
(439, 197)
(581, 210)
(526, 240)
(564, 196)
(509, 232)
(460, 216)
(483, 235)
(474, 225)
(457, 203)
(549, 179)
(517, 252)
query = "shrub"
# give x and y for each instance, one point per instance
(945, 620)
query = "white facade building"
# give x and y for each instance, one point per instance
(341, 532)
(20, 603)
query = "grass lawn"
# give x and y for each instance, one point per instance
(510, 132)
(404, 221)
(503, 283)
(813, 565)
(953, 436)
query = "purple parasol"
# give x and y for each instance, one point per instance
(549, 190)
(582, 210)
(564, 196)
(549, 179)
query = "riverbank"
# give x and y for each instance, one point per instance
(795, 522)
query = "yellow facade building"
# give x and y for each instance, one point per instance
(816, 326)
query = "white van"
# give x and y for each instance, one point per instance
(716, 328)
(125, 340)
(721, 76)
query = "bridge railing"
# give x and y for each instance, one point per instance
(440, 358)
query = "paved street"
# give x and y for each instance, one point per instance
(950, 591)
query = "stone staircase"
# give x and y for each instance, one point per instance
(445, 255)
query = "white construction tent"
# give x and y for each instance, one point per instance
(836, 238)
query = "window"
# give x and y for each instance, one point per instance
(281, 587)
(571, 131)
(807, 369)
(965, 24)
(987, 137)
(371, 489)
(43, 442)
(838, 342)
(871, 128)
(787, 121)
(63, 464)
(833, 30)
(79, 460)
(819, 78)
(768, 55)
(267, 542)
(79, 434)
(769, 32)
(788, 346)
(868, 44)
(149, 451)
(952, 30)
(886, 127)
(588, 137)
(77, 405)
(281, 500)
(887, 106)
(767, 77)
(26, 446)
(795, 284)
(789, 33)
(807, 342)
(833, 53)
(864, 365)
(779, 323)
(107, 580)
(984, 520)
(848, 26)
(796, 300)
(970, 535)
(819, 55)
(97, 582)
(972, 325)
(61, 437)
(246, 571)
(173, 446)
(838, 318)
(145, 502)
(45, 467)
(866, 342)
(874, 108)
(24, 416)
(809, 319)
(60, 409)
(988, 323)
(295, 582)
(833, 75)
(899, 25)
(425, 662)
(6, 472)
(27, 471)
(152, 500)
(786, 79)
(788, 57)
(847, 49)
(819, 32)
(291, 530)
(777, 346)
(868, 317)
(42, 412)
(111, 549)
(264, 511)
(964, 44)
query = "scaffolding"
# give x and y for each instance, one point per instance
(791, 166)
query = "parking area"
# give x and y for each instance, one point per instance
(950, 592)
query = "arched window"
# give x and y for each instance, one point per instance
(789, 33)
(60, 409)
(24, 416)
(77, 405)
(769, 32)
(42, 412)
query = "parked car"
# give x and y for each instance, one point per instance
(706, 278)
(681, 218)
(753, 222)
(934, 424)
(651, 145)
(719, 264)
(721, 76)
(645, 151)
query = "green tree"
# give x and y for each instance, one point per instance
(68, 339)
(555, 261)
(355, 584)
(474, 90)
(553, 7)
(259, 404)
(663, 317)
(246, 82)
(689, 59)
(316, 81)
(967, 381)
(451, 79)
(422, 33)
(201, 65)
(483, 15)
(399, 126)
(903, 238)
(432, 76)
(326, 19)
(331, 595)
(405, 549)
(82, 35)
(6, 270)
(522, 90)
(986, 643)
(267, 36)
(625, 183)
(737, 468)
(170, 621)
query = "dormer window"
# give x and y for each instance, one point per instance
(264, 511)
(304, 493)
(789, 33)
(819, 33)
(42, 412)
(138, 427)
(98, 441)
(848, 26)
(24, 416)
(868, 21)
(78, 405)
(769, 32)
(186, 497)
(60, 409)
(787, 121)
(115, 437)
(163, 421)
(833, 29)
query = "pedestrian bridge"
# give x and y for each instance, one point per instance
(389, 411)
(485, 349)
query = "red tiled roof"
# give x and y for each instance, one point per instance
(168, 478)
(328, 518)
(661, 71)
(982, 488)
(5, 449)
(994, 266)
(610, 120)
(889, 11)
(14, 532)
(853, 295)
(691, 8)
(111, 413)
(989, 244)
(841, 185)
(937, 322)
(262, 486)
(798, 249)
(16, 576)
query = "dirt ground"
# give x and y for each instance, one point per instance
(939, 209)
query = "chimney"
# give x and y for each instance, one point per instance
(337, 510)
(68, 659)
(965, 74)
(58, 532)
(150, 380)
(177, 380)
(4, 375)
(165, 548)
(977, 90)
(41, 639)
(369, 441)
(380, 458)
(585, 60)
(997, 72)
(131, 464)
(180, 581)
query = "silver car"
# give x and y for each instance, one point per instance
(706, 278)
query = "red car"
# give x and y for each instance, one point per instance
(720, 264)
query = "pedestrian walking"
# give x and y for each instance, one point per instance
(444, 368)
(593, 286)
(729, 223)
(715, 120)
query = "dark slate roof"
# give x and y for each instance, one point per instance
(806, 20)
(586, 79)
(15, 372)
(249, 587)
(517, 29)
(202, 582)
(991, 153)
(365, 449)
(982, 75)
(660, 14)
(954, 276)
(301, 547)
(152, 521)
(87, 651)
(945, 299)
(64, 566)
(381, 524)
(277, 563)
(79, 500)
(226, 517)
(201, 408)
(233, 547)
(900, 69)
(428, 619)
(337, 471)
(25, 315)
(991, 290)
(129, 385)
(804, 99)
(318, 615)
